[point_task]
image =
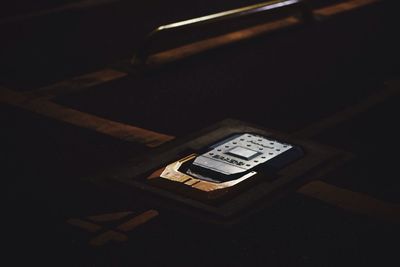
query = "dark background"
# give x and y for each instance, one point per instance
(285, 80)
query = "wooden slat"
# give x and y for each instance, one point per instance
(352, 201)
(138, 220)
(80, 83)
(109, 217)
(88, 226)
(343, 7)
(115, 129)
(107, 237)
(348, 113)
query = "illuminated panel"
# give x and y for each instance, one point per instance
(241, 154)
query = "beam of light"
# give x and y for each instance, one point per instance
(240, 11)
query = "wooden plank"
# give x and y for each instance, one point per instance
(80, 83)
(343, 7)
(109, 217)
(138, 220)
(115, 129)
(352, 201)
(107, 237)
(348, 113)
(88, 226)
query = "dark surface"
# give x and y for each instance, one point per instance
(78, 41)
(285, 81)
(373, 137)
(251, 78)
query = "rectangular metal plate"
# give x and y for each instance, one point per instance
(241, 154)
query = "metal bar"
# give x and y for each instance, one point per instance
(235, 13)
(276, 7)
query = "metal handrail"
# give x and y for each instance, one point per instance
(271, 8)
